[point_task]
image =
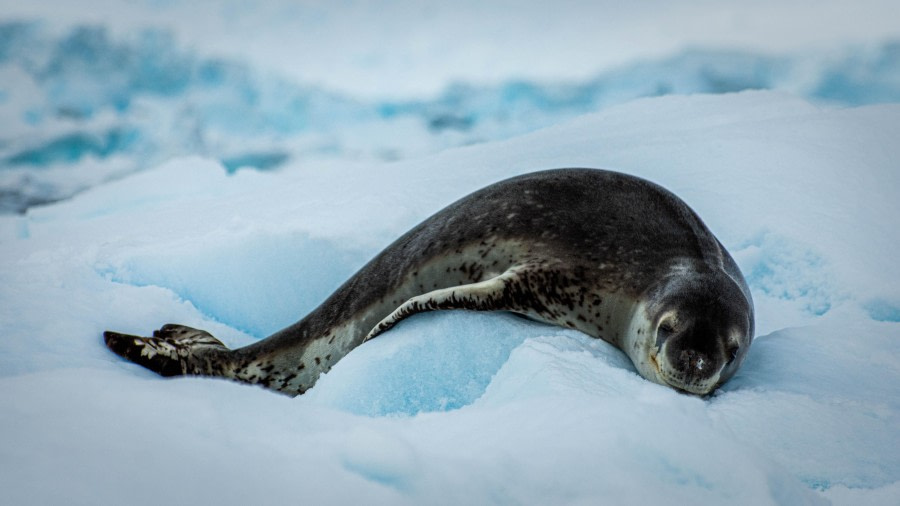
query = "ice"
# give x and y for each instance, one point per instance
(463, 407)
(92, 104)
(229, 174)
(403, 48)
(438, 362)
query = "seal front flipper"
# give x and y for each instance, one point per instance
(500, 293)
(173, 350)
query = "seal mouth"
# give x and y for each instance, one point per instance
(702, 389)
(655, 363)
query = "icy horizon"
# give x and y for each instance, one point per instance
(85, 107)
(229, 174)
(404, 49)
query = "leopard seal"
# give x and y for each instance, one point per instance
(612, 255)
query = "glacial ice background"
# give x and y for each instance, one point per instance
(80, 107)
(149, 138)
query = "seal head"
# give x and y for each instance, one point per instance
(692, 331)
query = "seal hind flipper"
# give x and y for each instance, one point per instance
(494, 294)
(174, 350)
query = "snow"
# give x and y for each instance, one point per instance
(800, 184)
(485, 408)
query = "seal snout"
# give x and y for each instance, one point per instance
(691, 357)
(694, 363)
(687, 358)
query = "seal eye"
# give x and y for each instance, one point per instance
(732, 352)
(663, 332)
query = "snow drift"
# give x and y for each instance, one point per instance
(460, 407)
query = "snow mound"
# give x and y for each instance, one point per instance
(460, 407)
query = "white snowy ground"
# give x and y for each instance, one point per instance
(451, 408)
(457, 407)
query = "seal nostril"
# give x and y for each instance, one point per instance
(693, 361)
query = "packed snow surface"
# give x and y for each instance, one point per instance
(460, 407)
(229, 174)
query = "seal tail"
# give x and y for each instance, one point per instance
(174, 350)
